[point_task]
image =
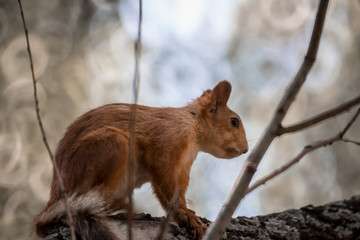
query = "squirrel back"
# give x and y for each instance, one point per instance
(94, 152)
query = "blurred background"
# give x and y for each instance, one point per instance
(83, 54)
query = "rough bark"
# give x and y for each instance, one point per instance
(336, 220)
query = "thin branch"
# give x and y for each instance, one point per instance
(342, 133)
(351, 141)
(37, 110)
(170, 212)
(320, 117)
(250, 166)
(307, 149)
(132, 123)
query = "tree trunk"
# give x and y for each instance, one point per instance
(336, 220)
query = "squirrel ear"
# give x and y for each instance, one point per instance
(222, 92)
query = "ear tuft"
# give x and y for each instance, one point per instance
(222, 92)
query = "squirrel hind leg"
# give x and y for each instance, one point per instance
(100, 158)
(105, 155)
(97, 169)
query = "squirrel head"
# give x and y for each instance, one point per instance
(221, 132)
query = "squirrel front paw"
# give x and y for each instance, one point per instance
(187, 218)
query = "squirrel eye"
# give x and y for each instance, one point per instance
(235, 122)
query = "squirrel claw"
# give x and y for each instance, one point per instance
(187, 218)
(199, 232)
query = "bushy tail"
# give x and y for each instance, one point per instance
(89, 213)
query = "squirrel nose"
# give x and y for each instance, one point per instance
(245, 147)
(245, 150)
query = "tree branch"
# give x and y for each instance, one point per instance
(351, 141)
(37, 110)
(336, 220)
(342, 133)
(307, 149)
(320, 117)
(250, 166)
(132, 123)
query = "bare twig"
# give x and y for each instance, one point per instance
(307, 149)
(37, 110)
(132, 123)
(342, 133)
(320, 117)
(170, 212)
(250, 166)
(351, 141)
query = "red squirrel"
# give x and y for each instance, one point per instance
(92, 158)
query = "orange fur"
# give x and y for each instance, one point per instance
(93, 154)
